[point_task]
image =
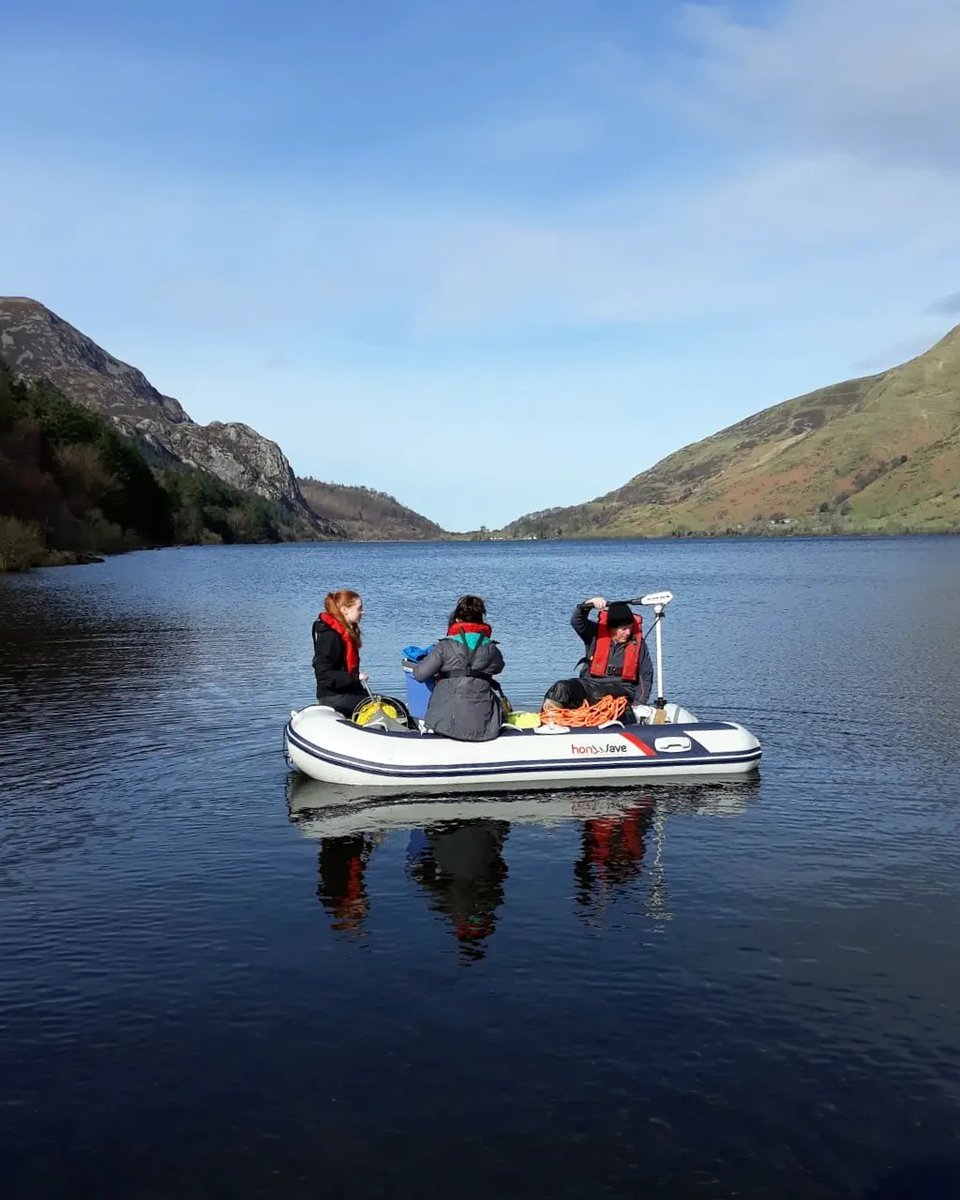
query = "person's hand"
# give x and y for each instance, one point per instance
(364, 677)
(597, 602)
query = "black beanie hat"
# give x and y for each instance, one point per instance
(619, 613)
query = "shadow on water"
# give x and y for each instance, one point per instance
(455, 852)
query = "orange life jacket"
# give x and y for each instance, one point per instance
(631, 652)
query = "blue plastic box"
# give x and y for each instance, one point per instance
(418, 694)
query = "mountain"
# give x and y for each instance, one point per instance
(877, 454)
(367, 515)
(37, 344)
(72, 487)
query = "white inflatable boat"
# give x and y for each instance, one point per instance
(327, 746)
(324, 745)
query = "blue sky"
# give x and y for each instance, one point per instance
(489, 258)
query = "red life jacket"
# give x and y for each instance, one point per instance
(469, 627)
(353, 656)
(631, 653)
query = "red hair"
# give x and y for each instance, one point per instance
(333, 606)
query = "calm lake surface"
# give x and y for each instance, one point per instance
(215, 982)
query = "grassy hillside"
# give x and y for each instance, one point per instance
(366, 514)
(878, 454)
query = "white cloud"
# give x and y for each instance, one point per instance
(739, 243)
(742, 243)
(876, 78)
(829, 201)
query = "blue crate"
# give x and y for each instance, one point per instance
(418, 694)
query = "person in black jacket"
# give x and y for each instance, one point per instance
(336, 652)
(616, 663)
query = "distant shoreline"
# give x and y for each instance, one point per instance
(71, 559)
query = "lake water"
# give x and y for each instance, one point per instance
(214, 985)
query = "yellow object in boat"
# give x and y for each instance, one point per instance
(524, 720)
(373, 707)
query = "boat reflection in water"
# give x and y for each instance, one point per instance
(456, 842)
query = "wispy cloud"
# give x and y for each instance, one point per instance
(773, 235)
(946, 306)
(877, 80)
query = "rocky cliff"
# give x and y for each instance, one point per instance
(37, 344)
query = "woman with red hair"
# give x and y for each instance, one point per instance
(336, 652)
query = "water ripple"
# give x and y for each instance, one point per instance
(669, 991)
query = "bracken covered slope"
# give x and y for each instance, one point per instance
(877, 454)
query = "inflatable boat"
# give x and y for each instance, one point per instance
(655, 742)
(324, 745)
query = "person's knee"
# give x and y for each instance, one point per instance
(567, 693)
(594, 690)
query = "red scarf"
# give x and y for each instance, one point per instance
(353, 657)
(468, 627)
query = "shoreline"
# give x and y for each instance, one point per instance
(69, 558)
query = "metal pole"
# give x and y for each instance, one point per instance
(660, 716)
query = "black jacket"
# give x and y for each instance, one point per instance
(587, 632)
(330, 664)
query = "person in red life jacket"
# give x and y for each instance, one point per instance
(336, 652)
(617, 661)
(342, 889)
(466, 703)
(612, 850)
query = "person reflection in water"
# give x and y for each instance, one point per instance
(461, 864)
(342, 889)
(611, 854)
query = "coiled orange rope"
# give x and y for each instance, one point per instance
(607, 708)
